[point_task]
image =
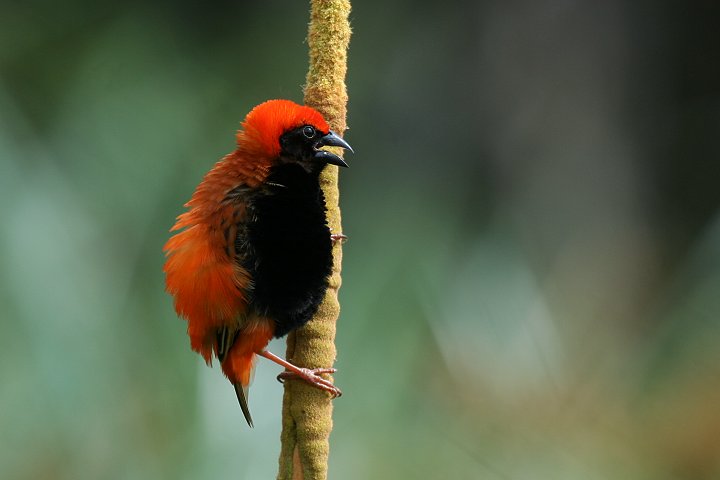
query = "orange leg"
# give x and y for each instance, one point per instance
(311, 376)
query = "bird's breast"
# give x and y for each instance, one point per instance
(288, 250)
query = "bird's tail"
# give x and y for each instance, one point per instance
(242, 395)
(239, 361)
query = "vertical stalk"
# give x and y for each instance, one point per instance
(307, 411)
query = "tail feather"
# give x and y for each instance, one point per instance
(242, 395)
(239, 359)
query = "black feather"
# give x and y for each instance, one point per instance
(287, 248)
(242, 395)
(225, 340)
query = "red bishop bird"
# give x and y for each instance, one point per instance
(252, 254)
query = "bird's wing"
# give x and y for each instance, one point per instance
(235, 214)
(225, 338)
(238, 342)
(210, 286)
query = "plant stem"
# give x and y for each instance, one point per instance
(307, 411)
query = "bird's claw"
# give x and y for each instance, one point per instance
(338, 237)
(312, 376)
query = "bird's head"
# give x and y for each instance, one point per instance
(287, 132)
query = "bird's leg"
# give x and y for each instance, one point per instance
(338, 237)
(311, 376)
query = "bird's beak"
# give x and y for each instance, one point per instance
(331, 140)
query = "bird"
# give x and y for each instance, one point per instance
(250, 257)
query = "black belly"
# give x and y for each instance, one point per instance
(288, 249)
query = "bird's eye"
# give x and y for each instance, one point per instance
(308, 131)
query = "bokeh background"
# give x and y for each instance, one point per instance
(532, 284)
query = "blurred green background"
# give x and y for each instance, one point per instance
(531, 288)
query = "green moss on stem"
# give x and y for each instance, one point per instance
(307, 411)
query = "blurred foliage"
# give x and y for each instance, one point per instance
(531, 285)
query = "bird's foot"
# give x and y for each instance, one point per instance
(312, 376)
(338, 237)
